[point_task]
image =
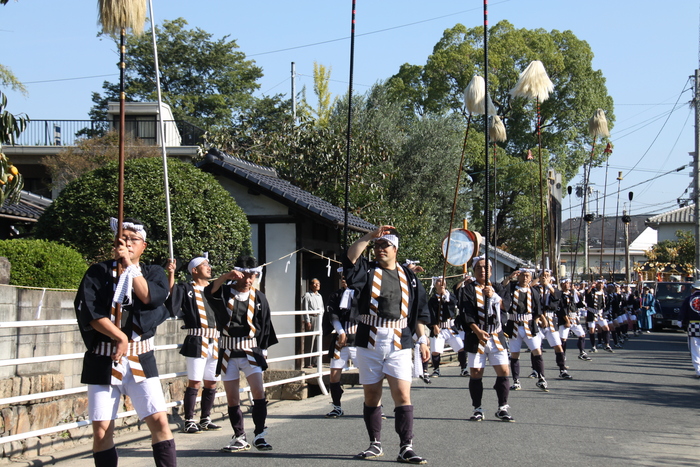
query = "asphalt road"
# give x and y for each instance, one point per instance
(638, 406)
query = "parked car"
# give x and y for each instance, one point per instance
(669, 296)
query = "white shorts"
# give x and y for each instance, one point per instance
(491, 352)
(146, 397)
(577, 329)
(346, 353)
(533, 343)
(621, 319)
(236, 365)
(201, 368)
(552, 337)
(384, 359)
(599, 320)
(456, 341)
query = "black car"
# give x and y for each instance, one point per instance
(669, 296)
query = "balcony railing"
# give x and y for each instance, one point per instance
(68, 132)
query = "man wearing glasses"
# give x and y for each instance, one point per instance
(391, 303)
(120, 358)
(243, 319)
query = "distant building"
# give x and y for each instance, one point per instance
(606, 255)
(668, 223)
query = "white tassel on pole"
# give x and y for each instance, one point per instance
(497, 130)
(474, 97)
(598, 125)
(115, 15)
(534, 83)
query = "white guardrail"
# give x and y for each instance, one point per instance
(317, 354)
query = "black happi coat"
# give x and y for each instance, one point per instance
(344, 315)
(264, 331)
(510, 327)
(358, 276)
(183, 303)
(469, 312)
(94, 301)
(566, 304)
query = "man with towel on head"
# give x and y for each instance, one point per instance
(201, 345)
(120, 355)
(392, 305)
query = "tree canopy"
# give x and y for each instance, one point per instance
(204, 216)
(205, 81)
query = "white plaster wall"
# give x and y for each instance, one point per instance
(280, 285)
(253, 205)
(668, 231)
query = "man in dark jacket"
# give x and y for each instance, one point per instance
(118, 317)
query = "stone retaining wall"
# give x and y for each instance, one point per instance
(18, 304)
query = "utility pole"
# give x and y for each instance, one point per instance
(696, 176)
(626, 220)
(294, 92)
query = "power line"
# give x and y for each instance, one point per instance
(372, 32)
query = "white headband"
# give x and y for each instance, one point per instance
(476, 259)
(197, 261)
(138, 228)
(393, 239)
(257, 270)
(410, 262)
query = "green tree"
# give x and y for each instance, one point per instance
(205, 81)
(578, 89)
(40, 263)
(679, 251)
(322, 76)
(438, 86)
(204, 216)
(11, 126)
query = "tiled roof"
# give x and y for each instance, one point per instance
(29, 207)
(504, 255)
(572, 230)
(683, 215)
(265, 179)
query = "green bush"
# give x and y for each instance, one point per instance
(204, 216)
(41, 263)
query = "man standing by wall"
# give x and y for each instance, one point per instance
(312, 301)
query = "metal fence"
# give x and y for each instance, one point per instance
(69, 132)
(317, 354)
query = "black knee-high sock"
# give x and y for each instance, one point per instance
(236, 417)
(336, 393)
(476, 390)
(563, 345)
(462, 358)
(560, 358)
(106, 458)
(593, 340)
(373, 422)
(502, 390)
(606, 338)
(189, 402)
(538, 364)
(436, 362)
(403, 423)
(616, 336)
(165, 454)
(515, 368)
(208, 397)
(259, 415)
(581, 343)
(425, 367)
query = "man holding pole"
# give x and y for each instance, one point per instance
(118, 317)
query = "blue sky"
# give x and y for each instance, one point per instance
(646, 50)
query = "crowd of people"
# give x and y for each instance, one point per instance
(381, 319)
